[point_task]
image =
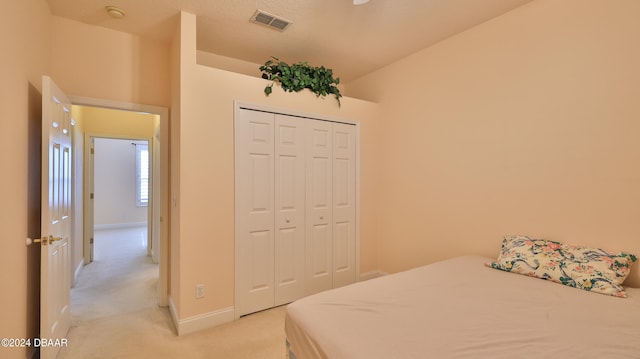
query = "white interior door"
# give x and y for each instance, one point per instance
(319, 239)
(255, 211)
(289, 171)
(344, 204)
(56, 217)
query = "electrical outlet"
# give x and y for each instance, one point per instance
(199, 291)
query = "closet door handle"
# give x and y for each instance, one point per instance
(287, 220)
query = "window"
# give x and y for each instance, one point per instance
(142, 174)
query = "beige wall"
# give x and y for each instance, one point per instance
(103, 122)
(228, 63)
(25, 27)
(96, 62)
(205, 195)
(526, 124)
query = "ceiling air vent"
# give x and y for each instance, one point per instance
(272, 21)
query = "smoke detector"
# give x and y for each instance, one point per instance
(272, 21)
(115, 12)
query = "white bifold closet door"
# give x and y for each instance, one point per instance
(255, 148)
(290, 211)
(344, 204)
(319, 238)
(331, 211)
(295, 208)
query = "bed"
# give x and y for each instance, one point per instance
(461, 308)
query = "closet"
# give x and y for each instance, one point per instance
(296, 215)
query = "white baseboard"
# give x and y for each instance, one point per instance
(76, 273)
(119, 225)
(226, 315)
(173, 312)
(200, 321)
(371, 275)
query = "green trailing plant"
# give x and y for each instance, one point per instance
(293, 78)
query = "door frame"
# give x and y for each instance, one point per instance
(237, 107)
(163, 216)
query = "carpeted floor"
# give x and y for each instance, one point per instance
(115, 313)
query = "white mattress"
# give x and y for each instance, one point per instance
(459, 308)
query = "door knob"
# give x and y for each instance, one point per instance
(287, 220)
(44, 240)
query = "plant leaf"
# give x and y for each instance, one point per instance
(299, 76)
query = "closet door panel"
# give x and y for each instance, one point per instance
(319, 206)
(261, 251)
(289, 189)
(342, 241)
(344, 204)
(255, 210)
(320, 253)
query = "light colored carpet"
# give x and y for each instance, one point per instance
(115, 313)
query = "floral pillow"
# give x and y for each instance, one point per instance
(591, 269)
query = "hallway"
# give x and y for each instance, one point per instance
(115, 296)
(120, 280)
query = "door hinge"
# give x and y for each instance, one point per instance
(92, 151)
(91, 196)
(90, 240)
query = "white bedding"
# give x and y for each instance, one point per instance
(459, 308)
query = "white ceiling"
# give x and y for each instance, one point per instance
(352, 40)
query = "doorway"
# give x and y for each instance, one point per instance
(120, 183)
(121, 177)
(119, 275)
(125, 125)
